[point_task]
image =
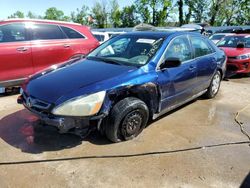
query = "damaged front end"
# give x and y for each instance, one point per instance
(80, 126)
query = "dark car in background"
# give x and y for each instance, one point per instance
(125, 82)
(237, 49)
(28, 46)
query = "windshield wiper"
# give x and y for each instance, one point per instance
(106, 60)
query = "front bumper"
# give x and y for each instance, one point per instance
(64, 124)
(238, 66)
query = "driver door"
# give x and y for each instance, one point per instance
(177, 83)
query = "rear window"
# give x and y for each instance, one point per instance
(46, 32)
(72, 34)
(216, 37)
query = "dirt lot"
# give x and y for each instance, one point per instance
(203, 147)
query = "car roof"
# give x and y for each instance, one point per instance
(224, 34)
(159, 34)
(37, 20)
(244, 35)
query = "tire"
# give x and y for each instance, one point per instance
(214, 87)
(127, 119)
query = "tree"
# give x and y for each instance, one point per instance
(17, 14)
(214, 9)
(100, 15)
(197, 9)
(31, 15)
(55, 14)
(128, 16)
(244, 13)
(180, 8)
(81, 15)
(115, 14)
(153, 12)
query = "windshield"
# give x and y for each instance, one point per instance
(127, 50)
(216, 37)
(233, 41)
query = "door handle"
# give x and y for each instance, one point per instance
(66, 45)
(22, 49)
(191, 67)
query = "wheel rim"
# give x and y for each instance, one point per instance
(132, 124)
(215, 84)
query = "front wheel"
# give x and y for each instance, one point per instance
(127, 119)
(214, 86)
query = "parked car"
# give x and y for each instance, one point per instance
(126, 81)
(237, 49)
(104, 36)
(28, 46)
(101, 36)
(218, 36)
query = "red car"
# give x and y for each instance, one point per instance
(28, 46)
(237, 49)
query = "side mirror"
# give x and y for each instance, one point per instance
(170, 63)
(240, 45)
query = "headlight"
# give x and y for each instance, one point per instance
(244, 56)
(81, 106)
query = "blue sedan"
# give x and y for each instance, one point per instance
(125, 82)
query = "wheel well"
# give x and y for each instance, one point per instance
(221, 73)
(148, 93)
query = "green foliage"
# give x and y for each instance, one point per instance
(106, 13)
(31, 15)
(128, 16)
(154, 12)
(17, 14)
(55, 14)
(115, 14)
(80, 15)
(100, 15)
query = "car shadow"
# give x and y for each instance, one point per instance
(238, 76)
(22, 130)
(246, 182)
(9, 92)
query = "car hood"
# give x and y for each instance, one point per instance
(51, 85)
(232, 52)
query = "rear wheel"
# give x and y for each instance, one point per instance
(214, 86)
(126, 120)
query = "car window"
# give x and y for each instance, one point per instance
(232, 41)
(100, 38)
(201, 47)
(13, 33)
(116, 48)
(216, 37)
(179, 48)
(46, 32)
(72, 34)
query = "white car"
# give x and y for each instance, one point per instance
(218, 36)
(104, 36)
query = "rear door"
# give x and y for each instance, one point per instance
(49, 45)
(78, 42)
(15, 52)
(177, 84)
(206, 61)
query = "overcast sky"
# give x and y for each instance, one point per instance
(8, 7)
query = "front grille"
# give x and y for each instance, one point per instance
(231, 67)
(36, 104)
(232, 57)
